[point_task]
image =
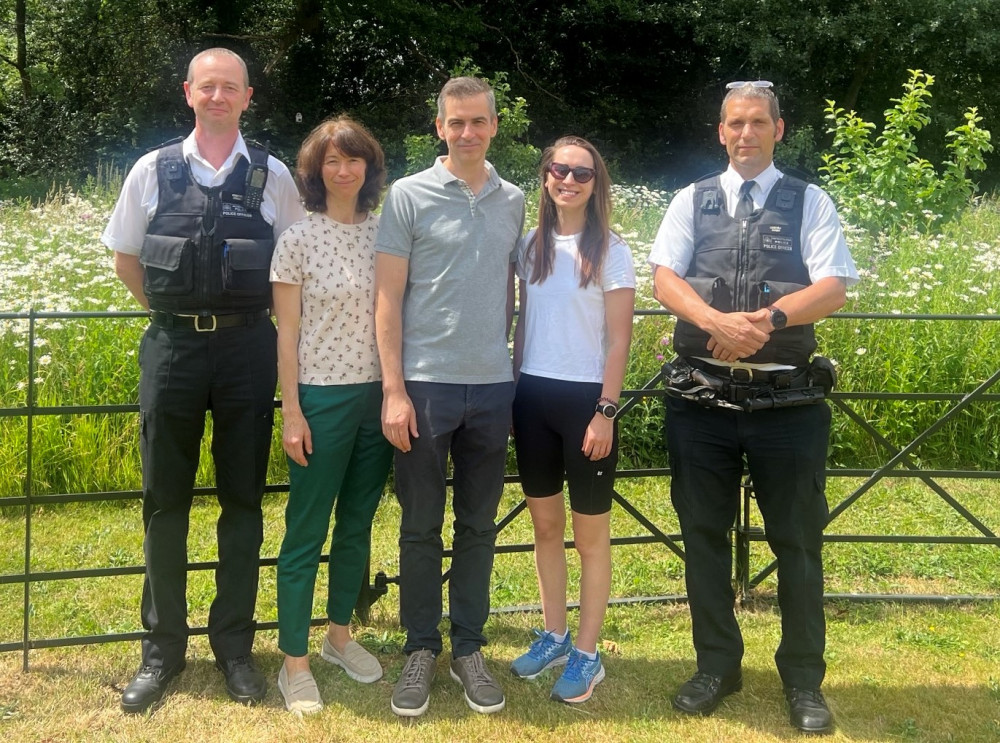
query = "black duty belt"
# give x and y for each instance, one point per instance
(205, 323)
(742, 388)
(779, 379)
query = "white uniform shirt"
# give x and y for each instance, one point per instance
(824, 249)
(565, 332)
(140, 194)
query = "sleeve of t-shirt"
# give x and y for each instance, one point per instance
(619, 267)
(286, 263)
(395, 225)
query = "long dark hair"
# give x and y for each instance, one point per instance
(595, 239)
(352, 139)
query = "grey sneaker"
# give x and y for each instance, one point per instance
(482, 692)
(412, 694)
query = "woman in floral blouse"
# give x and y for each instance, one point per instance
(323, 274)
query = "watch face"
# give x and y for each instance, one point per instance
(778, 319)
(608, 411)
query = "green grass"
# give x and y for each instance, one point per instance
(895, 673)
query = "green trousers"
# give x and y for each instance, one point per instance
(345, 477)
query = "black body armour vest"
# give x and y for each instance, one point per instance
(204, 251)
(741, 265)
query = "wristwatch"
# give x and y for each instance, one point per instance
(608, 408)
(778, 318)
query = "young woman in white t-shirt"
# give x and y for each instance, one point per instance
(577, 293)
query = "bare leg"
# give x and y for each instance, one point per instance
(592, 535)
(548, 516)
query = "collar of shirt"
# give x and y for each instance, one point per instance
(446, 176)
(202, 171)
(730, 181)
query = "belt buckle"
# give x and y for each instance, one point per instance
(196, 319)
(741, 374)
(199, 329)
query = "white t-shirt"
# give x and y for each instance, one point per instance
(565, 326)
(334, 264)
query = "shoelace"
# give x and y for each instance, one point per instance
(477, 670)
(537, 649)
(414, 671)
(574, 667)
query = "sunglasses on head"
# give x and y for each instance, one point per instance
(581, 174)
(752, 83)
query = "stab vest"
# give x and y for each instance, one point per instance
(742, 265)
(205, 252)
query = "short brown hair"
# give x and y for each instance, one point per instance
(749, 91)
(352, 139)
(218, 51)
(466, 87)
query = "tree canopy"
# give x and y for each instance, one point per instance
(83, 81)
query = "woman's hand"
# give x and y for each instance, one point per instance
(599, 437)
(296, 439)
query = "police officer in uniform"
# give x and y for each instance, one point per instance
(748, 260)
(193, 232)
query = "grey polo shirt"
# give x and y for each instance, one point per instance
(459, 246)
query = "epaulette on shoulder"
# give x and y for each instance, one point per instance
(707, 176)
(808, 178)
(168, 143)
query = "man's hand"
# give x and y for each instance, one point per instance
(736, 335)
(399, 420)
(296, 438)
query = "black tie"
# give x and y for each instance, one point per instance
(744, 207)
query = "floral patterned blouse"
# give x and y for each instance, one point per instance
(335, 265)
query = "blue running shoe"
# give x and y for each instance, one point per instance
(579, 679)
(543, 654)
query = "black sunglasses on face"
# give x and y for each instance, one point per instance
(581, 174)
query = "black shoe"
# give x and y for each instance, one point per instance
(244, 682)
(807, 710)
(703, 692)
(148, 686)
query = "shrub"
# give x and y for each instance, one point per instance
(883, 184)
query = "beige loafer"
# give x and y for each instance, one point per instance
(300, 692)
(359, 664)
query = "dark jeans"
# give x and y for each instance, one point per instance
(231, 372)
(471, 422)
(785, 451)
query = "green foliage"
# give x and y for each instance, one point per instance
(514, 159)
(885, 184)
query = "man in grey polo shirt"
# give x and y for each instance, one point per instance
(444, 278)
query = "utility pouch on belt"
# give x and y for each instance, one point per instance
(784, 390)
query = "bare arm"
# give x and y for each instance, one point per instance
(399, 420)
(734, 335)
(131, 273)
(296, 438)
(808, 305)
(618, 307)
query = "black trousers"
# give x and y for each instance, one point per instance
(785, 452)
(470, 422)
(231, 372)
